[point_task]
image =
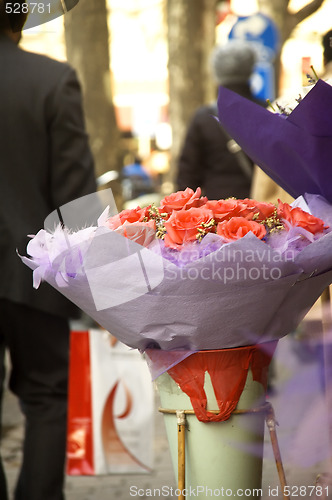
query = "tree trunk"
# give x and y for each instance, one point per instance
(286, 21)
(87, 43)
(191, 36)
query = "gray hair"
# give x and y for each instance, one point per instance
(233, 62)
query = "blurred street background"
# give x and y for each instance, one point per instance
(155, 49)
(140, 108)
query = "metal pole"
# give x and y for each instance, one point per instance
(325, 480)
(271, 424)
(327, 348)
(181, 421)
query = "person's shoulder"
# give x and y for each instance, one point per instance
(207, 109)
(205, 113)
(19, 61)
(44, 63)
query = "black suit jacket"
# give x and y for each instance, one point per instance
(45, 162)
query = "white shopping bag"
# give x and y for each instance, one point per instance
(110, 414)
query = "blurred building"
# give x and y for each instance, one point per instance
(139, 62)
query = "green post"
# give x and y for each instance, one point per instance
(221, 458)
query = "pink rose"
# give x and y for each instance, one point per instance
(261, 210)
(225, 209)
(182, 226)
(237, 227)
(182, 200)
(142, 233)
(298, 217)
(130, 215)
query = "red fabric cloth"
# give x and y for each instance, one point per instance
(228, 369)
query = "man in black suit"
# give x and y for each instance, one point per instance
(45, 162)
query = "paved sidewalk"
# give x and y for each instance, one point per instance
(300, 410)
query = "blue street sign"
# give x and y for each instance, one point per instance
(262, 32)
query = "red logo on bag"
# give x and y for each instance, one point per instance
(76, 444)
(115, 450)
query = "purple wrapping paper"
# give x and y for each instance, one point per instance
(241, 294)
(295, 151)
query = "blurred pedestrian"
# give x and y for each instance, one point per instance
(135, 180)
(45, 163)
(209, 157)
(327, 55)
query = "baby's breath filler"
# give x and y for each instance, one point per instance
(273, 223)
(205, 228)
(159, 219)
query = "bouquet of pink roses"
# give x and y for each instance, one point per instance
(192, 274)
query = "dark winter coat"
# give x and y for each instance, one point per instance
(206, 159)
